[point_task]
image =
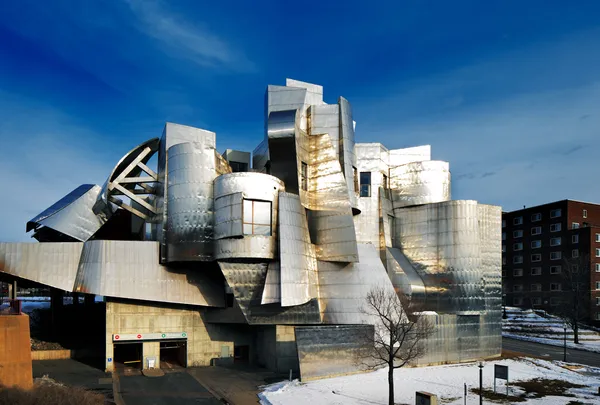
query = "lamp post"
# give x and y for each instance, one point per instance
(565, 346)
(480, 383)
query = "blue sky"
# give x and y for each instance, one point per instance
(507, 91)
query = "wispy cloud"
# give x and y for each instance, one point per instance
(186, 39)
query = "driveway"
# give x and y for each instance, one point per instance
(174, 388)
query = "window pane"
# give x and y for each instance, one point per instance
(262, 213)
(365, 178)
(247, 212)
(365, 190)
(262, 230)
(247, 229)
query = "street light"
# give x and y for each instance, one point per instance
(480, 383)
(565, 347)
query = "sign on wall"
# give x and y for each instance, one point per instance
(120, 337)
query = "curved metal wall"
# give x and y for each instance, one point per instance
(442, 243)
(191, 170)
(420, 183)
(230, 190)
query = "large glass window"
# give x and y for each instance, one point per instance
(365, 184)
(257, 217)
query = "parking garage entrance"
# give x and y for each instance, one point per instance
(128, 355)
(173, 354)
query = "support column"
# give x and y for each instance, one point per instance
(12, 290)
(56, 305)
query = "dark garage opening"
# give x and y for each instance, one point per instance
(128, 355)
(173, 354)
(241, 354)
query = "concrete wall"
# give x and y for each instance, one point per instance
(204, 341)
(15, 351)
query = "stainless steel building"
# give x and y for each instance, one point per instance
(271, 264)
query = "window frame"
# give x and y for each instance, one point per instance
(367, 192)
(254, 223)
(558, 269)
(584, 213)
(538, 287)
(556, 238)
(517, 287)
(515, 261)
(538, 230)
(575, 238)
(597, 252)
(556, 227)
(518, 220)
(304, 176)
(536, 273)
(598, 237)
(575, 253)
(538, 257)
(536, 217)
(517, 233)
(575, 225)
(558, 287)
(554, 257)
(518, 246)
(556, 213)
(536, 247)
(518, 272)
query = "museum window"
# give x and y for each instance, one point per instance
(555, 287)
(556, 227)
(555, 269)
(304, 177)
(536, 230)
(536, 257)
(355, 174)
(575, 239)
(257, 217)
(518, 246)
(536, 217)
(555, 255)
(518, 233)
(536, 271)
(518, 221)
(555, 241)
(555, 213)
(365, 184)
(536, 244)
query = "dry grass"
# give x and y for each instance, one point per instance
(540, 387)
(498, 397)
(48, 393)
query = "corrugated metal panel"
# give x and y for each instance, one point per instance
(346, 148)
(272, 291)
(420, 183)
(298, 257)
(130, 269)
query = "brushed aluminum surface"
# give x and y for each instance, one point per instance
(247, 281)
(72, 215)
(53, 264)
(131, 269)
(272, 291)
(191, 170)
(297, 255)
(420, 183)
(230, 192)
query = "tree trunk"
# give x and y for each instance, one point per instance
(391, 385)
(576, 333)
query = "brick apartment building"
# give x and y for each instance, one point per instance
(539, 242)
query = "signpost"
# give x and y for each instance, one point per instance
(501, 372)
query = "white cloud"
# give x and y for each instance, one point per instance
(186, 39)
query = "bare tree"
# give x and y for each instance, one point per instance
(575, 302)
(398, 334)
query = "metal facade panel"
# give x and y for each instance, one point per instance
(397, 157)
(442, 243)
(260, 156)
(420, 183)
(297, 255)
(53, 264)
(272, 291)
(343, 288)
(346, 148)
(173, 134)
(72, 215)
(130, 269)
(249, 186)
(247, 281)
(326, 351)
(191, 170)
(330, 217)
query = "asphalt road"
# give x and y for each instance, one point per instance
(551, 352)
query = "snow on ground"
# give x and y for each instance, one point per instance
(444, 381)
(547, 329)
